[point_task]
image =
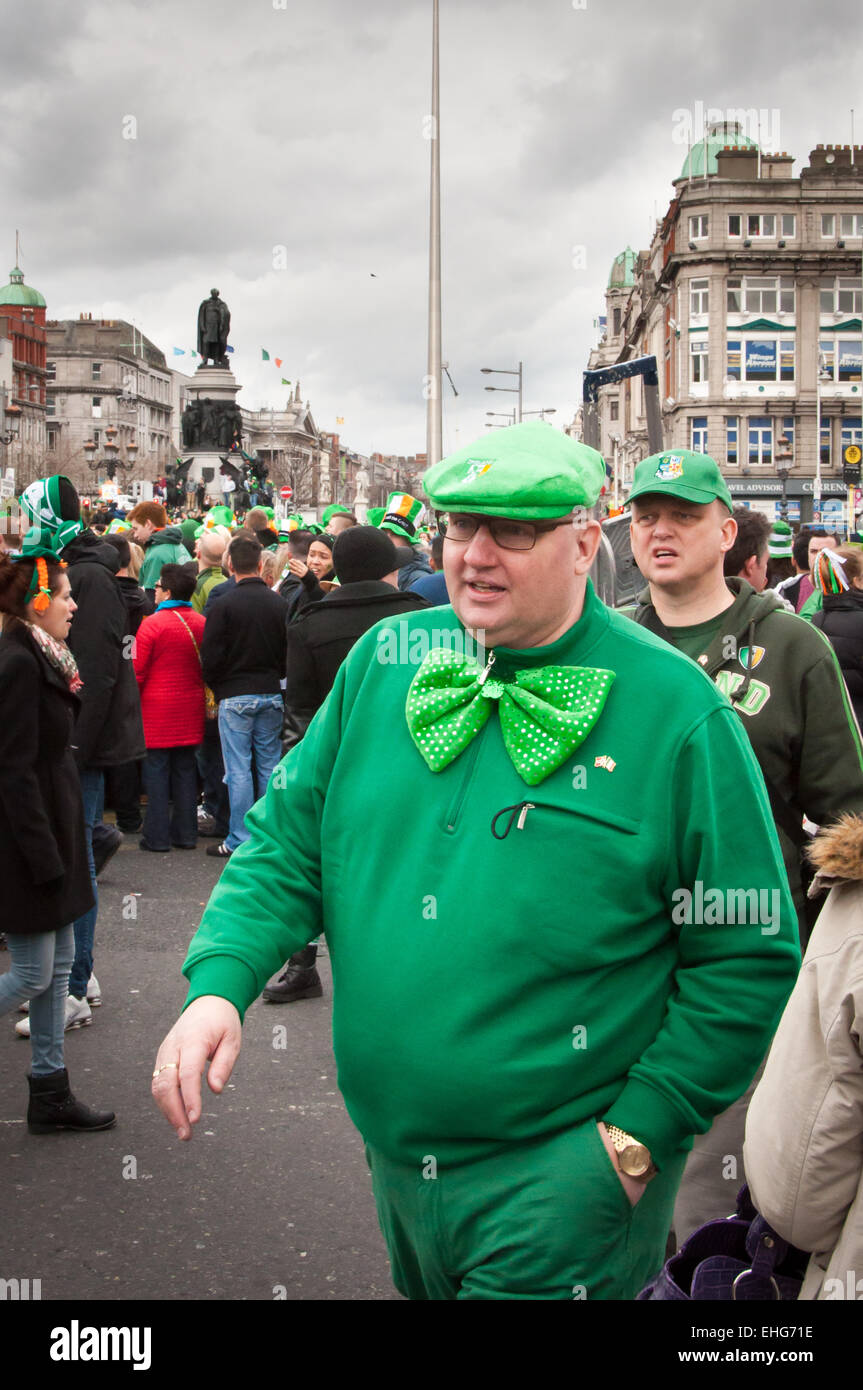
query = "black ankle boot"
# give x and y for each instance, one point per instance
(300, 980)
(53, 1107)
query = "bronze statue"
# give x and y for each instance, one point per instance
(214, 323)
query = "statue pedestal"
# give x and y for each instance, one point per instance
(219, 383)
(219, 387)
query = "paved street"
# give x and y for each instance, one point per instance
(272, 1192)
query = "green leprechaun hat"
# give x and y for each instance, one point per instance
(401, 515)
(780, 541)
(334, 510)
(375, 515)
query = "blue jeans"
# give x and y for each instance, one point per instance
(171, 776)
(93, 796)
(211, 767)
(248, 723)
(40, 973)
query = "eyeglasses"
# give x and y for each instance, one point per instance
(508, 534)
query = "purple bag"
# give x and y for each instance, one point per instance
(737, 1259)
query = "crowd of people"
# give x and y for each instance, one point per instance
(583, 1064)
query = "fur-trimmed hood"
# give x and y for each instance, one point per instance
(837, 854)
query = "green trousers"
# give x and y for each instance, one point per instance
(544, 1220)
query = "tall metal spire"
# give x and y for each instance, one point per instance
(434, 392)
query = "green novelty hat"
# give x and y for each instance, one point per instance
(333, 510)
(780, 541)
(528, 472)
(375, 515)
(401, 514)
(681, 473)
(52, 503)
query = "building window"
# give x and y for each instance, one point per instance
(97, 407)
(760, 294)
(698, 361)
(851, 431)
(843, 295)
(96, 435)
(699, 297)
(840, 359)
(761, 224)
(96, 370)
(698, 434)
(851, 224)
(734, 224)
(51, 369)
(828, 224)
(826, 439)
(760, 359)
(613, 410)
(732, 427)
(615, 321)
(52, 440)
(788, 223)
(699, 227)
(50, 404)
(760, 439)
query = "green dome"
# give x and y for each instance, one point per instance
(622, 275)
(16, 292)
(714, 142)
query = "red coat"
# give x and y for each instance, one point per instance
(169, 677)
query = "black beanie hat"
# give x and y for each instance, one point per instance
(363, 552)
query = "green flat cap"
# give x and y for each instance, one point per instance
(681, 473)
(528, 472)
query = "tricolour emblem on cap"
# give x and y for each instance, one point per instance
(476, 468)
(671, 467)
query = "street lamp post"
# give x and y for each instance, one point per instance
(112, 460)
(546, 410)
(782, 474)
(504, 415)
(504, 371)
(13, 423)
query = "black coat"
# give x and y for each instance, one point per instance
(841, 619)
(138, 603)
(109, 729)
(44, 873)
(243, 650)
(320, 639)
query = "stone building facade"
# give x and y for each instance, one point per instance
(105, 375)
(750, 298)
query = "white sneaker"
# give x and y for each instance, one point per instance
(78, 1015)
(94, 996)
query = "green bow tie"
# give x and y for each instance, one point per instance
(545, 713)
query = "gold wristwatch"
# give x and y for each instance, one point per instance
(633, 1157)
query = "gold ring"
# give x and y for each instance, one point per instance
(165, 1068)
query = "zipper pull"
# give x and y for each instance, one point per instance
(527, 806)
(488, 665)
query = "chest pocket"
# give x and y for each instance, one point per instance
(576, 875)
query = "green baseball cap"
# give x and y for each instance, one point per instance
(681, 473)
(528, 472)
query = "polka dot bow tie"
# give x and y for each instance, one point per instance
(545, 713)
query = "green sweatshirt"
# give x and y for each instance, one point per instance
(782, 676)
(491, 988)
(164, 547)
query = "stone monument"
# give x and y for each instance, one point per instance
(212, 423)
(361, 501)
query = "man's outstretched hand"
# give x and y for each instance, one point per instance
(209, 1028)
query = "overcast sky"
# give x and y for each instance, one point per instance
(281, 124)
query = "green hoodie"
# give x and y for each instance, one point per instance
(164, 547)
(495, 985)
(782, 676)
